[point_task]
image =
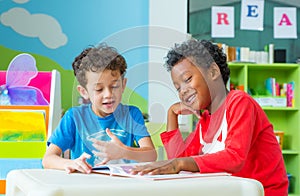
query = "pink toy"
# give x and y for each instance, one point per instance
(16, 91)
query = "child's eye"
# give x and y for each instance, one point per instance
(177, 87)
(116, 86)
(99, 90)
(188, 79)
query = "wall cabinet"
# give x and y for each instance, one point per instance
(286, 119)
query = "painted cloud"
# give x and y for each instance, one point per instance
(20, 1)
(43, 26)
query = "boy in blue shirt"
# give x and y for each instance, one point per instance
(103, 131)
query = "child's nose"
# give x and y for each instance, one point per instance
(107, 92)
(184, 89)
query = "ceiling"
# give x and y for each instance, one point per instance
(196, 5)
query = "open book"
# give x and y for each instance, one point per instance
(125, 169)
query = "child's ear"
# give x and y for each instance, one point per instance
(83, 92)
(124, 82)
(214, 71)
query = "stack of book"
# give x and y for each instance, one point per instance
(277, 95)
(244, 54)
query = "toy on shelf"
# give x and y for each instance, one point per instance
(17, 91)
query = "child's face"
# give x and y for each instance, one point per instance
(190, 82)
(105, 89)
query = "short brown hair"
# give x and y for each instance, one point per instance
(97, 59)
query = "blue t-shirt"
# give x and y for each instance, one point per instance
(80, 123)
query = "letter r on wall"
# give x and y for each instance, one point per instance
(222, 17)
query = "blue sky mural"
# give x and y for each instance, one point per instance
(60, 30)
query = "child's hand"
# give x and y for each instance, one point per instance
(79, 164)
(109, 150)
(172, 166)
(181, 109)
(155, 168)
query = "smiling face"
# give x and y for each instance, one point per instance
(104, 89)
(191, 85)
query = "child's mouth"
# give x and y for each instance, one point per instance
(108, 104)
(190, 99)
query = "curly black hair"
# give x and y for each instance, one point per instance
(98, 58)
(203, 52)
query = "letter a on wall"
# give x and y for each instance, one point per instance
(252, 15)
(285, 22)
(222, 21)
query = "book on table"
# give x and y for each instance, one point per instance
(124, 170)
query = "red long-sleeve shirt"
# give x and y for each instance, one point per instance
(251, 148)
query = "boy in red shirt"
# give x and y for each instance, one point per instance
(233, 134)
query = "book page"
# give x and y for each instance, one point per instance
(125, 169)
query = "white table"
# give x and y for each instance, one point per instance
(45, 182)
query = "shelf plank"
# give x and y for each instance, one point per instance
(290, 152)
(264, 66)
(280, 108)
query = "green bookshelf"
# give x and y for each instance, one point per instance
(286, 119)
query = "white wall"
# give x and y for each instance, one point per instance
(167, 26)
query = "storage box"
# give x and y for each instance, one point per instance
(279, 136)
(276, 101)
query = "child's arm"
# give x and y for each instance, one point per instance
(115, 149)
(172, 139)
(172, 121)
(146, 152)
(53, 160)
